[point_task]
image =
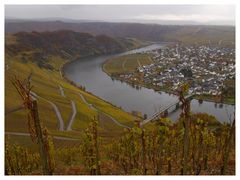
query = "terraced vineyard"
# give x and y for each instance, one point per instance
(46, 87)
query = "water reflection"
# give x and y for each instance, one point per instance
(131, 97)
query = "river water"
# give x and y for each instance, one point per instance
(88, 72)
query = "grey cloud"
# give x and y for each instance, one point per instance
(124, 12)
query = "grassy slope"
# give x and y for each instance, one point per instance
(45, 83)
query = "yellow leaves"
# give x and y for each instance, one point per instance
(184, 88)
(137, 130)
(20, 160)
(169, 158)
(90, 148)
(49, 147)
(199, 121)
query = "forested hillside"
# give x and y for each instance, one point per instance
(68, 43)
(151, 32)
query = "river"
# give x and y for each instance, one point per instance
(88, 72)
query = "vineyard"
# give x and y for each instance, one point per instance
(197, 144)
(55, 126)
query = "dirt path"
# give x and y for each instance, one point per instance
(89, 105)
(54, 137)
(74, 109)
(17, 108)
(61, 91)
(60, 72)
(57, 112)
(219, 42)
(114, 120)
(94, 108)
(74, 112)
(139, 64)
(123, 64)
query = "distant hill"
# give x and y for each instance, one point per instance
(68, 43)
(152, 32)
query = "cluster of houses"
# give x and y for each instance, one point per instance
(203, 67)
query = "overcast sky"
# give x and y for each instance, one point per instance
(203, 14)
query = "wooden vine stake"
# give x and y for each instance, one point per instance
(34, 124)
(227, 147)
(186, 124)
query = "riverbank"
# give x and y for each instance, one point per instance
(89, 72)
(62, 74)
(138, 85)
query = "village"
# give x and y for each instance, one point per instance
(204, 68)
